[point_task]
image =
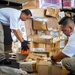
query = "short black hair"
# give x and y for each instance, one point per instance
(66, 20)
(27, 12)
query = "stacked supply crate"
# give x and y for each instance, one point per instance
(44, 22)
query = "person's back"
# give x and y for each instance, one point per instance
(7, 13)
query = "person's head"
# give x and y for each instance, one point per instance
(25, 14)
(67, 25)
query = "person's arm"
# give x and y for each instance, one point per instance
(58, 57)
(24, 43)
(18, 34)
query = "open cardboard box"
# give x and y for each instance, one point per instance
(44, 39)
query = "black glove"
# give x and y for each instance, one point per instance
(24, 45)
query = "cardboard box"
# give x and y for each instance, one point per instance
(47, 53)
(44, 39)
(52, 12)
(45, 68)
(54, 33)
(45, 23)
(36, 47)
(28, 66)
(28, 26)
(20, 57)
(68, 14)
(55, 47)
(52, 23)
(30, 4)
(39, 25)
(38, 12)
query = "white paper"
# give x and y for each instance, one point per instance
(46, 37)
(39, 49)
(54, 33)
(49, 29)
(41, 19)
(61, 14)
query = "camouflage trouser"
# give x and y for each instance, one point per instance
(69, 64)
(2, 55)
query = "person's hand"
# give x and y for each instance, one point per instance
(53, 63)
(24, 45)
(53, 60)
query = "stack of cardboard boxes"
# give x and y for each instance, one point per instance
(43, 31)
(45, 36)
(45, 24)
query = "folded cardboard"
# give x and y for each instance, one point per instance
(44, 39)
(45, 68)
(30, 4)
(52, 12)
(38, 12)
(39, 25)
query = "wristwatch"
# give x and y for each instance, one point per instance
(52, 59)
